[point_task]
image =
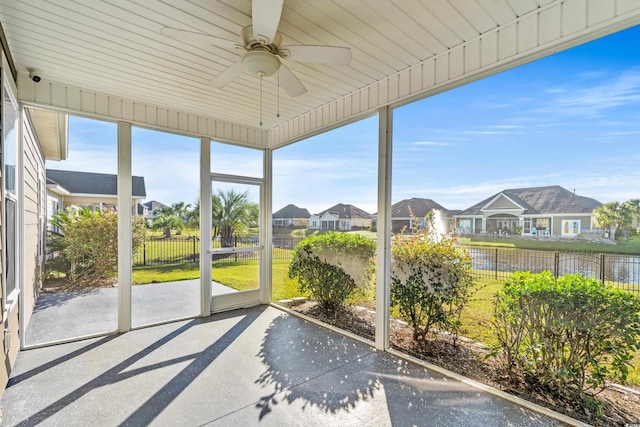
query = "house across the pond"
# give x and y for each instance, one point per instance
(341, 217)
(291, 216)
(405, 212)
(536, 211)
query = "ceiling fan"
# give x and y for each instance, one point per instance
(263, 52)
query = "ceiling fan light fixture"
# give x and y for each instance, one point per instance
(260, 63)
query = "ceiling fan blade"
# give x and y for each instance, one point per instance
(334, 55)
(225, 77)
(290, 82)
(197, 38)
(265, 16)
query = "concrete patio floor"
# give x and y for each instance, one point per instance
(64, 315)
(257, 366)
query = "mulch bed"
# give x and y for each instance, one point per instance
(63, 285)
(620, 406)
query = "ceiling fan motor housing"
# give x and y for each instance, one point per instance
(250, 40)
(261, 58)
(260, 63)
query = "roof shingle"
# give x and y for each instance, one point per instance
(93, 183)
(552, 199)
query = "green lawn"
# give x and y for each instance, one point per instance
(477, 316)
(631, 246)
(240, 275)
(165, 273)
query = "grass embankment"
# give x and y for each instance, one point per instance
(628, 247)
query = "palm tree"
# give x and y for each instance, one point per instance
(232, 213)
(192, 216)
(634, 207)
(612, 215)
(166, 223)
(180, 209)
(163, 210)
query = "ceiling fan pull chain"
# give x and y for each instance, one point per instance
(278, 96)
(260, 99)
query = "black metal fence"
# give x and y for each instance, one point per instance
(186, 249)
(174, 250)
(499, 263)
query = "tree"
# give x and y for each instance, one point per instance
(87, 241)
(192, 217)
(232, 213)
(167, 223)
(613, 215)
(180, 210)
(634, 208)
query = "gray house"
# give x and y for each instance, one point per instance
(291, 216)
(402, 211)
(405, 211)
(151, 207)
(536, 211)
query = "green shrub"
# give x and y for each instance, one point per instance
(572, 331)
(332, 266)
(431, 282)
(88, 243)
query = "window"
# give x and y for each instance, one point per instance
(9, 150)
(10, 245)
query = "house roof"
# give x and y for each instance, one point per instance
(552, 199)
(291, 211)
(346, 211)
(419, 207)
(93, 183)
(153, 205)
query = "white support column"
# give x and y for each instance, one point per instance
(266, 228)
(124, 227)
(205, 226)
(383, 271)
(22, 235)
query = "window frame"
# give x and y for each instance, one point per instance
(10, 295)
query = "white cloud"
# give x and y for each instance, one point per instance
(430, 144)
(593, 100)
(505, 127)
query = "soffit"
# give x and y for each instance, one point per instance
(115, 47)
(51, 130)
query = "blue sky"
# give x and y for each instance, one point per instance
(571, 119)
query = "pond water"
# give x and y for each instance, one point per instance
(619, 269)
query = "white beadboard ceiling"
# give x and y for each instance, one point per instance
(115, 47)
